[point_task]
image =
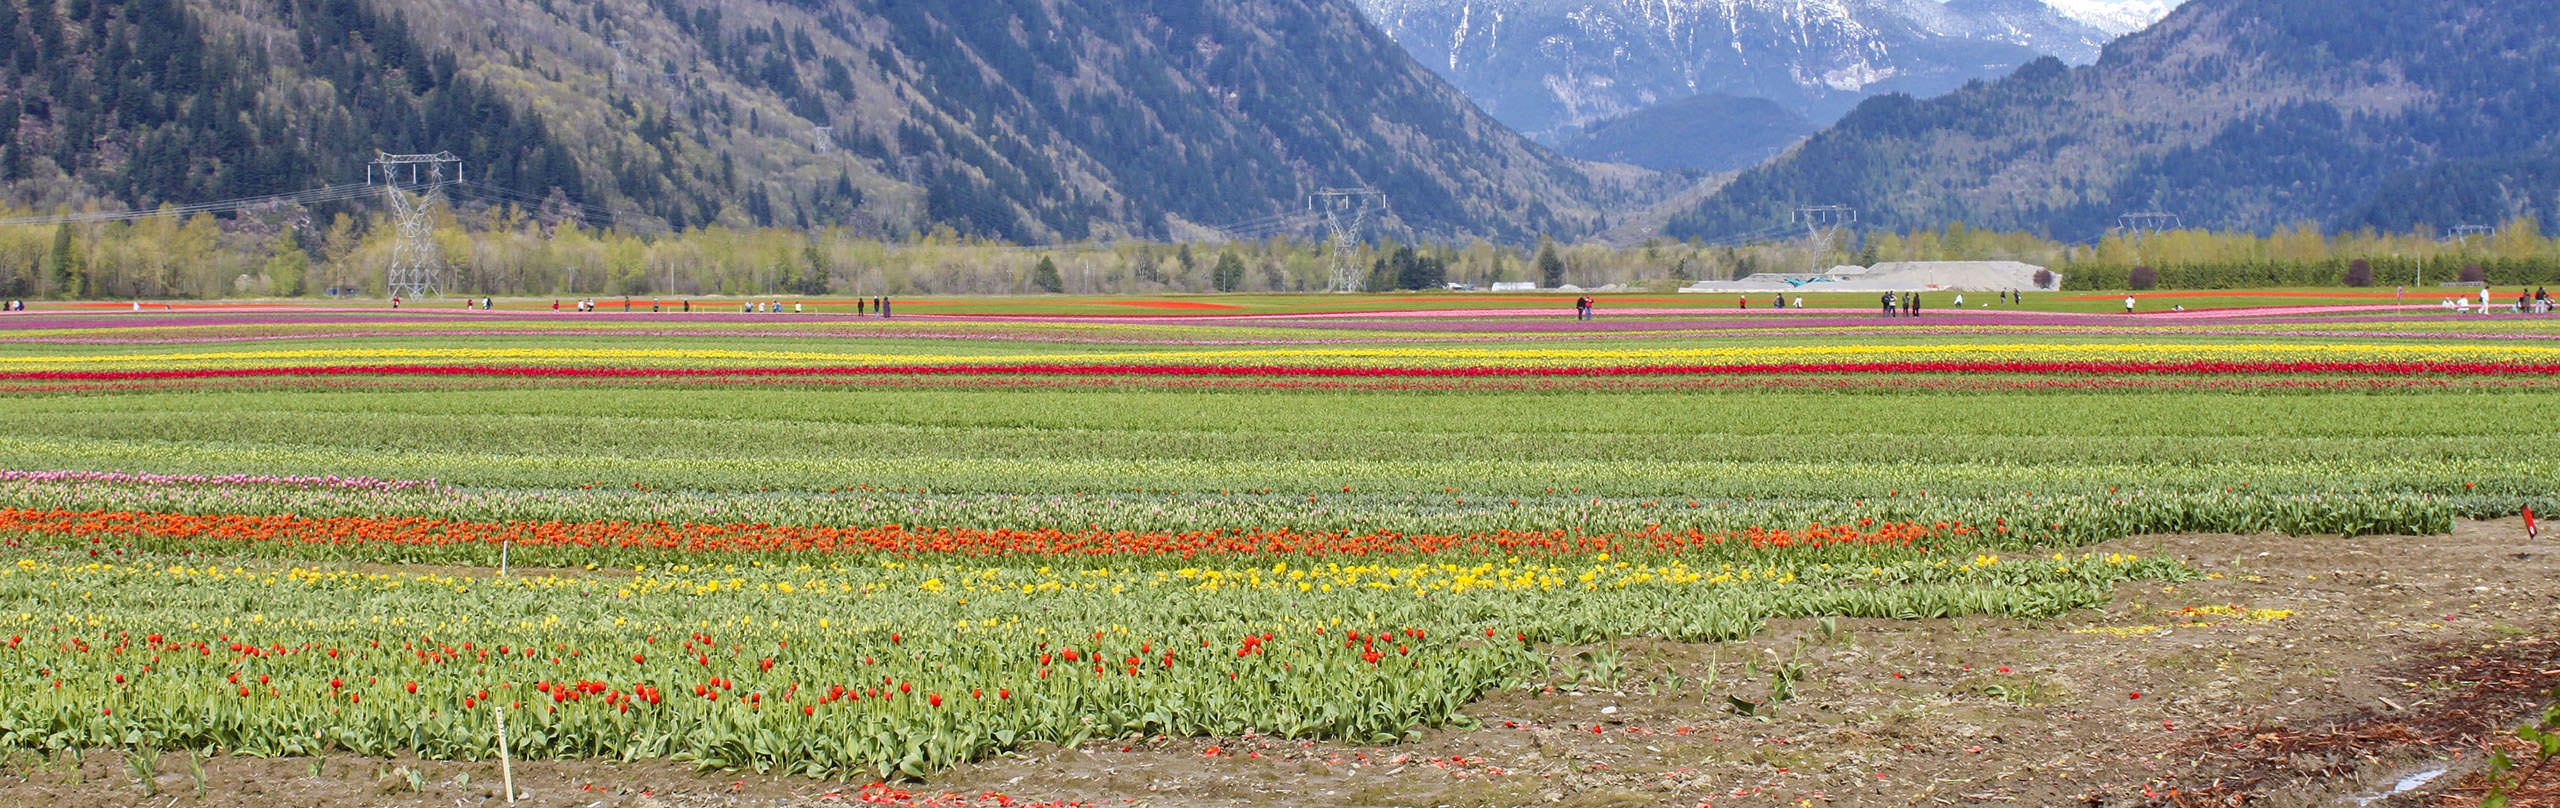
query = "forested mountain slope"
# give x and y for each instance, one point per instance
(2229, 113)
(1024, 120)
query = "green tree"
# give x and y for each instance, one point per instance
(1045, 276)
(814, 280)
(1415, 271)
(286, 266)
(1550, 267)
(1228, 276)
(62, 265)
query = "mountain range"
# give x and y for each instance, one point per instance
(1712, 132)
(1022, 120)
(2240, 114)
(1552, 68)
(1040, 121)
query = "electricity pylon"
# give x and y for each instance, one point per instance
(2153, 222)
(1823, 225)
(1345, 211)
(417, 270)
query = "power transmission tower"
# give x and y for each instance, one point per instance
(1345, 211)
(621, 62)
(417, 271)
(1823, 225)
(2153, 222)
(826, 138)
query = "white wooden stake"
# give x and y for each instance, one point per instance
(506, 767)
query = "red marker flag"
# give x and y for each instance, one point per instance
(2530, 531)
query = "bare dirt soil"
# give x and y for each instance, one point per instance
(2303, 672)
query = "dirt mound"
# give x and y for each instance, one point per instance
(1988, 277)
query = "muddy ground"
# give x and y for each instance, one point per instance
(2303, 672)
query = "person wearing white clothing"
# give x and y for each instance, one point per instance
(2128, 304)
(1959, 300)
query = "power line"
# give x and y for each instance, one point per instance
(1263, 227)
(314, 196)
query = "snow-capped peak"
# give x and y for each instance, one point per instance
(2117, 17)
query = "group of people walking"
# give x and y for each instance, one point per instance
(1776, 301)
(2537, 301)
(1907, 302)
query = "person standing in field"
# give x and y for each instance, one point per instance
(2128, 304)
(1959, 301)
(1888, 303)
(1915, 304)
(861, 306)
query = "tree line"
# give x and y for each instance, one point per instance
(507, 250)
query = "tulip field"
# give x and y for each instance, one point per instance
(879, 549)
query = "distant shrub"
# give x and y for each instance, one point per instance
(2473, 274)
(2360, 273)
(2044, 279)
(2142, 277)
